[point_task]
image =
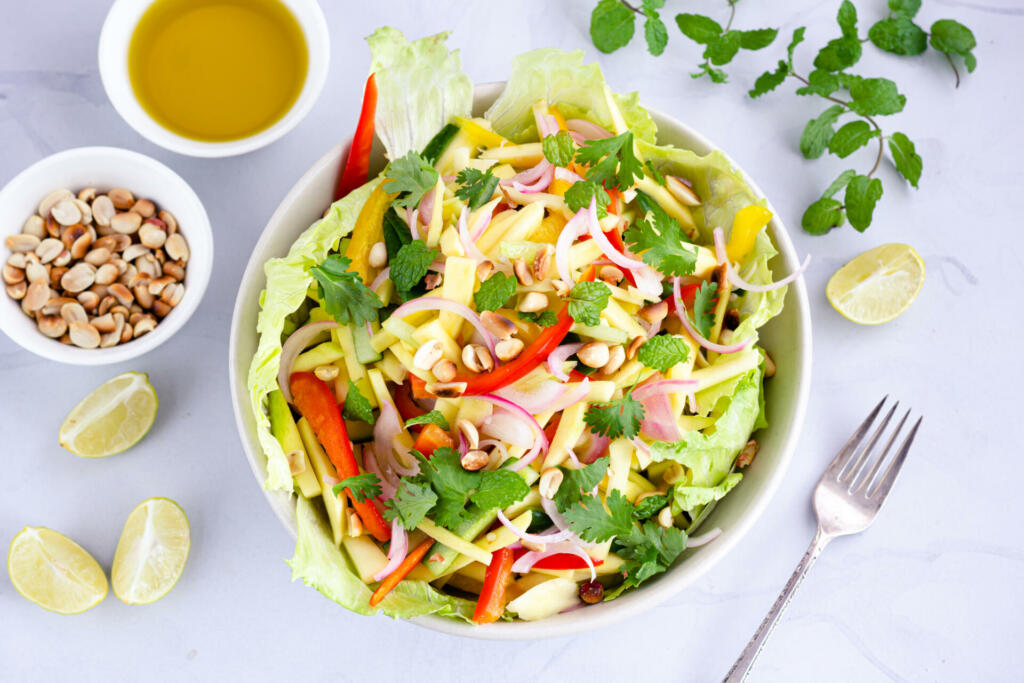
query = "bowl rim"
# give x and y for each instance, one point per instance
(201, 246)
(673, 581)
(112, 57)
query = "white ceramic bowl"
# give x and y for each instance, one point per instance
(116, 35)
(788, 337)
(106, 168)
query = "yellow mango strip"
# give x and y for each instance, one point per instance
(369, 230)
(478, 135)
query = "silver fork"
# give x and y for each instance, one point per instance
(846, 500)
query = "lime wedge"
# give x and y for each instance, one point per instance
(111, 419)
(54, 572)
(878, 285)
(151, 553)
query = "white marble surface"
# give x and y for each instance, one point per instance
(930, 593)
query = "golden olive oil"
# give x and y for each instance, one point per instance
(217, 70)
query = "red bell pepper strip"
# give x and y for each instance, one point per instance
(392, 579)
(431, 438)
(491, 604)
(315, 401)
(357, 166)
(559, 561)
(419, 387)
(688, 292)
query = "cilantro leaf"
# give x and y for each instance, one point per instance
(611, 25)
(476, 187)
(450, 482)
(649, 506)
(660, 240)
(343, 294)
(580, 193)
(655, 32)
(862, 193)
(494, 292)
(559, 148)
(576, 483)
(434, 417)
(758, 38)
(656, 175)
(410, 174)
(587, 300)
(362, 486)
(411, 502)
(663, 351)
(876, 96)
(544, 318)
(907, 161)
(898, 35)
(357, 406)
(851, 137)
(823, 215)
(499, 489)
(819, 131)
(615, 418)
(410, 264)
(611, 160)
(770, 80)
(699, 28)
(590, 521)
(704, 307)
(649, 550)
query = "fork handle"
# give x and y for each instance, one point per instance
(741, 668)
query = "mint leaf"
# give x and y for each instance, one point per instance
(820, 82)
(587, 300)
(770, 80)
(851, 137)
(906, 8)
(410, 264)
(544, 318)
(499, 489)
(663, 351)
(476, 187)
(411, 502)
(655, 32)
(862, 193)
(611, 160)
(906, 159)
(357, 406)
(494, 292)
(659, 240)
(579, 482)
(591, 522)
(899, 35)
(952, 37)
(611, 25)
(434, 417)
(819, 131)
(798, 37)
(721, 50)
(839, 183)
(648, 551)
(758, 38)
(649, 506)
(580, 193)
(363, 487)
(615, 418)
(396, 232)
(876, 96)
(559, 148)
(698, 28)
(704, 307)
(847, 19)
(838, 54)
(410, 176)
(822, 216)
(343, 294)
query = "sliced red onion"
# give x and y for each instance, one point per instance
(532, 538)
(573, 397)
(538, 185)
(588, 129)
(703, 539)
(651, 329)
(558, 356)
(426, 207)
(595, 448)
(437, 266)
(412, 218)
(529, 176)
(607, 249)
(525, 562)
(722, 255)
(665, 386)
(684, 318)
(388, 482)
(546, 125)
(396, 552)
(387, 427)
(567, 175)
(436, 303)
(573, 458)
(577, 138)
(508, 427)
(463, 445)
(648, 282)
(540, 443)
(640, 445)
(573, 229)
(468, 243)
(329, 481)
(659, 421)
(292, 347)
(538, 400)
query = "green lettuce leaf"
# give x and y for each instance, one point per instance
(288, 282)
(686, 498)
(323, 566)
(420, 87)
(561, 78)
(709, 454)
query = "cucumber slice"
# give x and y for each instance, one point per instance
(365, 353)
(432, 152)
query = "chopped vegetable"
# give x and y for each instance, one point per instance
(407, 565)
(491, 604)
(357, 165)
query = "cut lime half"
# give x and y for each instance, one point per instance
(878, 285)
(111, 419)
(54, 572)
(152, 552)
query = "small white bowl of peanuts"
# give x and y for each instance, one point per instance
(106, 254)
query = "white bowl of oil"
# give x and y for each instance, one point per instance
(213, 78)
